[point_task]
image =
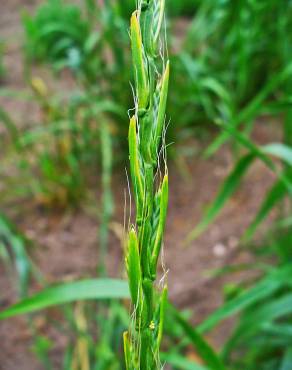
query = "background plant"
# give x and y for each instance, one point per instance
(260, 337)
(257, 69)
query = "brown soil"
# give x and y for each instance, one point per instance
(67, 245)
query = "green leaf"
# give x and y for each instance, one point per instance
(283, 330)
(254, 320)
(231, 183)
(276, 193)
(203, 349)
(179, 362)
(227, 189)
(271, 310)
(282, 151)
(265, 288)
(261, 153)
(252, 109)
(287, 360)
(15, 246)
(69, 292)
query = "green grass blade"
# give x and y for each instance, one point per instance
(266, 313)
(251, 110)
(263, 153)
(69, 292)
(274, 196)
(284, 329)
(203, 349)
(14, 245)
(254, 320)
(179, 362)
(287, 360)
(282, 151)
(227, 189)
(265, 288)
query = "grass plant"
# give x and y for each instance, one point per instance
(260, 338)
(57, 34)
(15, 256)
(150, 187)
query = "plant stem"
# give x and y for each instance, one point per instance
(150, 188)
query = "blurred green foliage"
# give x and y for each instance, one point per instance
(261, 337)
(14, 254)
(58, 34)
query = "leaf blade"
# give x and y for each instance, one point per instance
(204, 350)
(69, 292)
(228, 187)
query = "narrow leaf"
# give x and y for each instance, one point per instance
(256, 317)
(69, 292)
(276, 193)
(202, 347)
(250, 111)
(280, 150)
(179, 362)
(265, 288)
(227, 190)
(261, 152)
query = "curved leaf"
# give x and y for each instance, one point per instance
(179, 362)
(262, 153)
(203, 349)
(256, 317)
(276, 193)
(227, 189)
(69, 292)
(280, 150)
(251, 110)
(265, 288)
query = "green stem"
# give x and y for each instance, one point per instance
(151, 195)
